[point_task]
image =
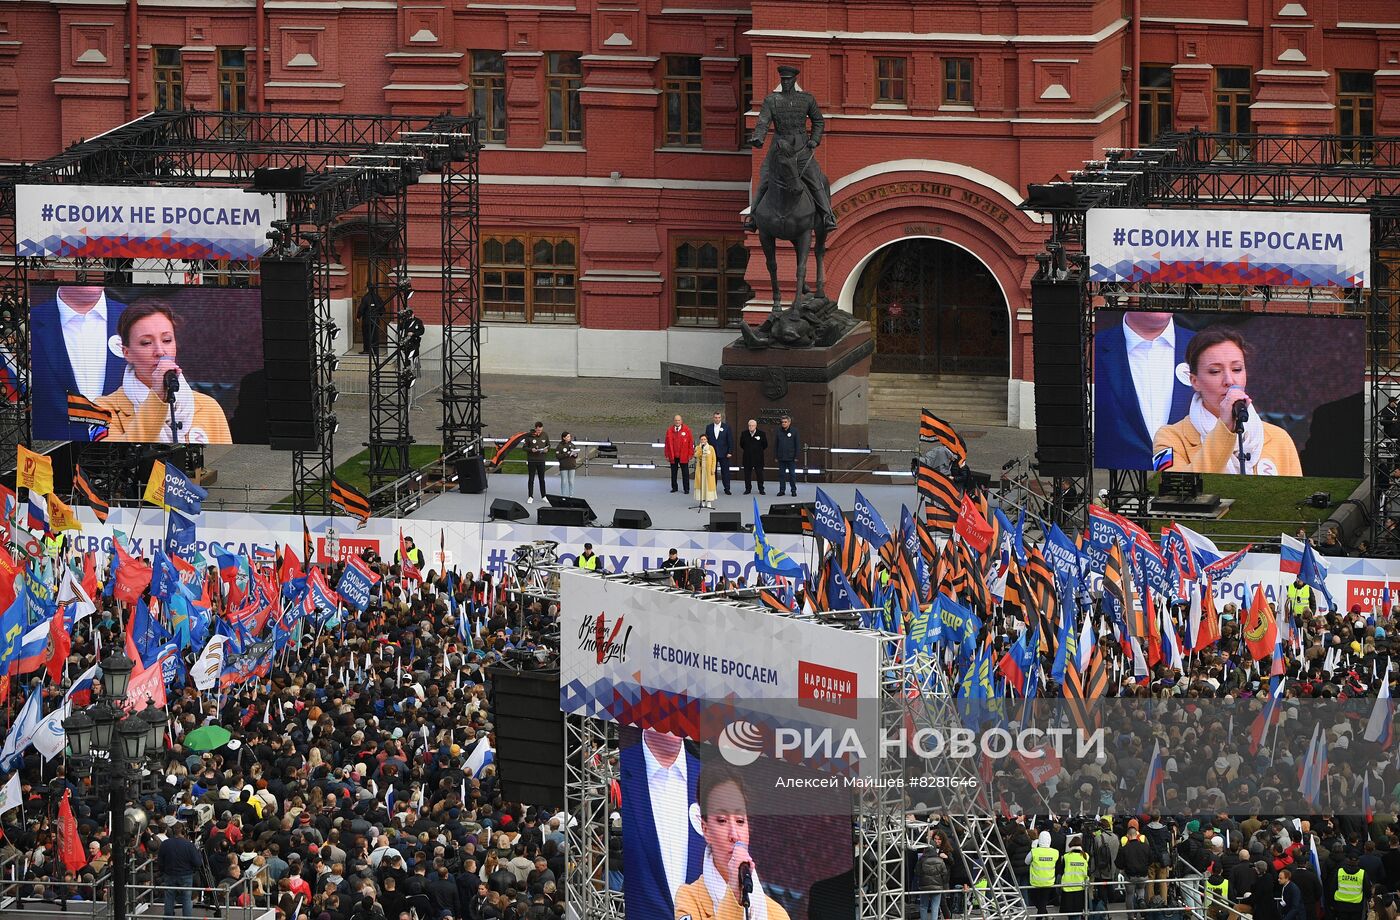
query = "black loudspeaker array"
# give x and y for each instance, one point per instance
(288, 353)
(529, 735)
(1058, 349)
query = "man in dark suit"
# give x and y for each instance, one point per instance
(658, 778)
(1136, 387)
(69, 335)
(721, 438)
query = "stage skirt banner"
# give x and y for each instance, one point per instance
(1275, 248)
(103, 221)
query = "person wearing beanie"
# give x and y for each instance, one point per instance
(1075, 876)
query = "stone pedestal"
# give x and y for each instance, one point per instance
(825, 390)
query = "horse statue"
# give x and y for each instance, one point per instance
(787, 212)
(793, 203)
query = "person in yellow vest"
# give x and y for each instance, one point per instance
(1075, 876)
(724, 823)
(1302, 603)
(1217, 894)
(1043, 860)
(588, 560)
(53, 545)
(138, 408)
(1349, 890)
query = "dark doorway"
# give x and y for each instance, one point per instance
(935, 309)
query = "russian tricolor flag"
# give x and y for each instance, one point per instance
(1156, 773)
(38, 514)
(1290, 555)
(1380, 727)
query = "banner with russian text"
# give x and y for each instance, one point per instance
(1276, 248)
(102, 221)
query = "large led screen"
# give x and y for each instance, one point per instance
(1261, 395)
(151, 364)
(699, 826)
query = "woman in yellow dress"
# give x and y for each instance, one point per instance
(724, 823)
(138, 408)
(1206, 440)
(706, 465)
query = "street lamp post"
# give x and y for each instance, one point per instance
(100, 733)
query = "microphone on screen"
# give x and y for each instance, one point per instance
(171, 380)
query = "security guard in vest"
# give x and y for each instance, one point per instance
(1349, 892)
(1043, 860)
(1076, 874)
(588, 561)
(415, 555)
(1302, 601)
(53, 545)
(1217, 894)
(883, 573)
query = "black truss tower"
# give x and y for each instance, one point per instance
(1245, 171)
(461, 329)
(355, 165)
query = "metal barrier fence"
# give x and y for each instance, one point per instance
(74, 900)
(1184, 898)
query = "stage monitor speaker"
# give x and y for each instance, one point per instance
(567, 501)
(564, 517)
(631, 518)
(725, 521)
(1057, 340)
(269, 179)
(529, 735)
(791, 510)
(471, 475)
(781, 523)
(503, 509)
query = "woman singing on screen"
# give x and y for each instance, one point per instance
(1206, 440)
(724, 823)
(139, 409)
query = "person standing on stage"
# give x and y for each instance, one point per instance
(787, 448)
(721, 438)
(536, 446)
(705, 463)
(753, 443)
(680, 447)
(567, 452)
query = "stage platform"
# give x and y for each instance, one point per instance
(606, 493)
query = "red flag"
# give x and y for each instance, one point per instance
(133, 576)
(1260, 628)
(70, 845)
(973, 527)
(406, 566)
(60, 643)
(291, 566)
(90, 585)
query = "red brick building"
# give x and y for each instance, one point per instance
(614, 176)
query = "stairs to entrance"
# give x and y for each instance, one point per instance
(966, 400)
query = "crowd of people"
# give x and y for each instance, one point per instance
(358, 782)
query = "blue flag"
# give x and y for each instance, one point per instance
(1314, 573)
(839, 595)
(767, 559)
(147, 634)
(12, 626)
(1067, 642)
(165, 578)
(182, 493)
(180, 536)
(867, 522)
(827, 520)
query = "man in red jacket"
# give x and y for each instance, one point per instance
(680, 447)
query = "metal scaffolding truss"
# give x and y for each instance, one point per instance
(1243, 172)
(353, 164)
(389, 381)
(590, 767)
(461, 329)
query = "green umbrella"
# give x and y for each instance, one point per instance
(207, 738)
